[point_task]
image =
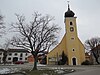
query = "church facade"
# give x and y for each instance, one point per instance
(70, 43)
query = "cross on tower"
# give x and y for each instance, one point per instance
(68, 4)
(68, 1)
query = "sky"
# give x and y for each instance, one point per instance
(86, 11)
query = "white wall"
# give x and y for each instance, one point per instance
(18, 56)
(1, 56)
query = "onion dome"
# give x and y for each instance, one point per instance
(69, 13)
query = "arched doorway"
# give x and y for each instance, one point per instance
(15, 59)
(74, 61)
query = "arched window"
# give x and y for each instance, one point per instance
(21, 55)
(71, 23)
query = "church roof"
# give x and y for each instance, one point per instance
(1, 50)
(17, 50)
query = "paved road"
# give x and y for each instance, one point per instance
(87, 71)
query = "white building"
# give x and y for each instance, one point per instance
(14, 55)
(1, 55)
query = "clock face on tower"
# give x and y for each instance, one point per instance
(71, 29)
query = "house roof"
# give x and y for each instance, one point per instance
(1, 50)
(18, 50)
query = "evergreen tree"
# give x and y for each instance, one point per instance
(63, 59)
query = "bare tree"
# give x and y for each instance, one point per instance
(92, 45)
(1, 25)
(37, 36)
(5, 47)
(1, 29)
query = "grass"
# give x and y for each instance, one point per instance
(41, 72)
(48, 72)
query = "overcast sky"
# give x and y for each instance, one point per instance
(86, 11)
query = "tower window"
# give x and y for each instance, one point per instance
(71, 23)
(73, 49)
(15, 54)
(72, 38)
(71, 29)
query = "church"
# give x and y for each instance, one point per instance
(70, 43)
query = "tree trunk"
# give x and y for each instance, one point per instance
(96, 58)
(97, 61)
(4, 57)
(35, 63)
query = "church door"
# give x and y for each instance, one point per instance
(74, 61)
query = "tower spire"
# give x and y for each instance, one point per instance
(68, 5)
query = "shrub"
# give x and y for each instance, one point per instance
(86, 62)
(63, 59)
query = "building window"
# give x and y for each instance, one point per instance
(71, 29)
(52, 59)
(71, 23)
(15, 54)
(20, 58)
(0, 53)
(10, 54)
(21, 55)
(25, 58)
(9, 58)
(26, 54)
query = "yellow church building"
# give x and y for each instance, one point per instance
(70, 43)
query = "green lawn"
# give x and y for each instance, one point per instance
(49, 72)
(42, 72)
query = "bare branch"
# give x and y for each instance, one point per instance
(2, 26)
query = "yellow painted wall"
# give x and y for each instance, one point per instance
(57, 50)
(82, 52)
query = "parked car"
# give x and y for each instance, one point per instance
(19, 62)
